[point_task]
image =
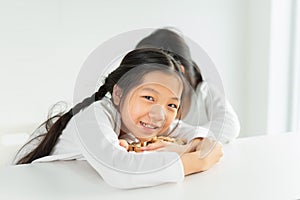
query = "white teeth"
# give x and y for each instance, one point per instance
(148, 125)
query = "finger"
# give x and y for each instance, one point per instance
(123, 143)
(154, 146)
(158, 149)
(211, 148)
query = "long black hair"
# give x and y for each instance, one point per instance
(169, 40)
(133, 59)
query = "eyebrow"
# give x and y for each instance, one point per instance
(155, 91)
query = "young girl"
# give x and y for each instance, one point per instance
(146, 94)
(214, 109)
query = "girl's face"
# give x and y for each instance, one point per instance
(151, 107)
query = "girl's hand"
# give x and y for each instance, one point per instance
(124, 143)
(166, 146)
(193, 163)
(173, 147)
(205, 145)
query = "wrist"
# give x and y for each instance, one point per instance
(192, 146)
(190, 164)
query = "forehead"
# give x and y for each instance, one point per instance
(170, 81)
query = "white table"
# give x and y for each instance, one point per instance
(265, 167)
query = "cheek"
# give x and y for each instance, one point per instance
(170, 118)
(172, 115)
(137, 110)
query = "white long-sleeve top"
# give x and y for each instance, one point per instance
(214, 112)
(92, 135)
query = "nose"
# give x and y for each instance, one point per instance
(157, 115)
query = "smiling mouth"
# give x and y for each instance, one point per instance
(146, 125)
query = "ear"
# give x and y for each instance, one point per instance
(182, 69)
(116, 95)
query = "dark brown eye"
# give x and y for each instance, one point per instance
(173, 106)
(149, 98)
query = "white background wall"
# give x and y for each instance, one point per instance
(44, 43)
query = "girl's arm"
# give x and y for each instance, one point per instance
(215, 113)
(192, 163)
(221, 113)
(99, 144)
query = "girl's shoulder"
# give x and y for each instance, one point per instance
(202, 90)
(206, 89)
(105, 109)
(105, 104)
